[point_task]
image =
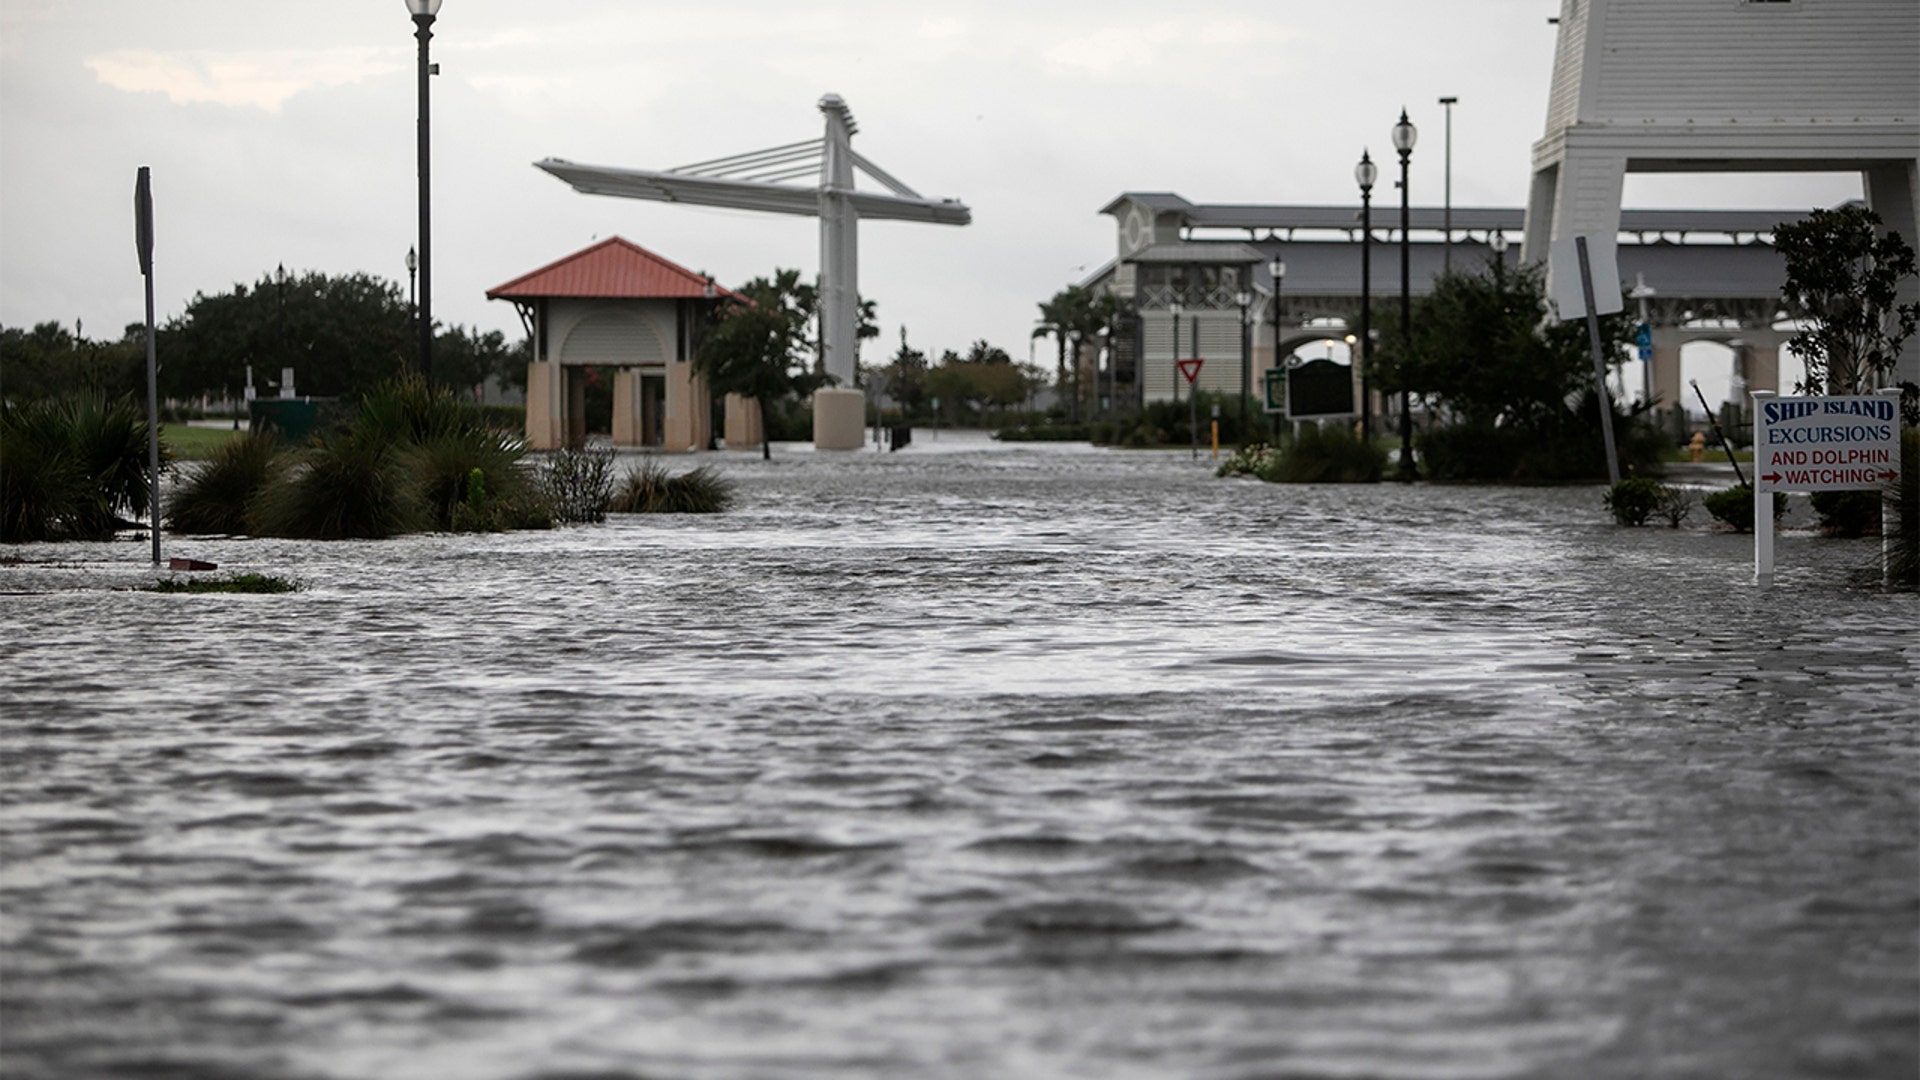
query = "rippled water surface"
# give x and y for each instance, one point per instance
(969, 763)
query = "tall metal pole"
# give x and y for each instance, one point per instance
(1176, 351)
(1403, 136)
(1246, 359)
(1446, 250)
(423, 20)
(143, 247)
(1365, 173)
(1278, 268)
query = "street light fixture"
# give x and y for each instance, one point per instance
(423, 12)
(1404, 135)
(1366, 173)
(413, 267)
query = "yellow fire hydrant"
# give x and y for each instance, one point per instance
(1698, 447)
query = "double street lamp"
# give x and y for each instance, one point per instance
(423, 12)
(1366, 173)
(1403, 137)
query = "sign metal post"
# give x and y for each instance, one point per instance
(143, 247)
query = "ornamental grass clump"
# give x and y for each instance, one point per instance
(70, 467)
(647, 488)
(350, 484)
(214, 498)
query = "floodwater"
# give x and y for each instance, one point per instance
(969, 761)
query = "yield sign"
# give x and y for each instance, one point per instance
(1190, 369)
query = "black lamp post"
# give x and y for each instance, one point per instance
(423, 12)
(1403, 137)
(1175, 308)
(1366, 173)
(1278, 268)
(1446, 219)
(413, 267)
(1245, 297)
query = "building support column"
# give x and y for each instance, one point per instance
(689, 421)
(1893, 192)
(543, 407)
(743, 420)
(628, 430)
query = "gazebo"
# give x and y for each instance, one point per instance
(617, 305)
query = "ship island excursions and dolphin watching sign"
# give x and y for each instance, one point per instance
(1810, 444)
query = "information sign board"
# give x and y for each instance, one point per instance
(1819, 444)
(1319, 389)
(1826, 443)
(1276, 387)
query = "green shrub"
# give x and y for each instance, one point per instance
(1329, 455)
(1052, 432)
(648, 489)
(214, 498)
(1634, 500)
(1560, 448)
(1734, 506)
(1848, 513)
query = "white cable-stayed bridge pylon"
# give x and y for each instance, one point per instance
(763, 180)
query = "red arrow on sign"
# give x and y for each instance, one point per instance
(1772, 478)
(1888, 475)
(1190, 368)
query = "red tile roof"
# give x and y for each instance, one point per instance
(614, 269)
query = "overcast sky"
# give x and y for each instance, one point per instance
(283, 133)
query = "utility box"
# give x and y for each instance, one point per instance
(291, 420)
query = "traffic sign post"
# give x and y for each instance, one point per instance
(1819, 444)
(1190, 370)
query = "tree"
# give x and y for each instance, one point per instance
(341, 336)
(1481, 349)
(906, 377)
(756, 346)
(1843, 282)
(466, 358)
(48, 362)
(1058, 316)
(1094, 315)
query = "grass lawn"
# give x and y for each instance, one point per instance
(196, 443)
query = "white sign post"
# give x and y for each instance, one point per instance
(1818, 444)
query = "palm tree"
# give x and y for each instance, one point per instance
(1059, 317)
(1096, 314)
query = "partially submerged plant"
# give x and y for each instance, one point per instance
(232, 583)
(215, 496)
(578, 484)
(1633, 500)
(1734, 506)
(647, 488)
